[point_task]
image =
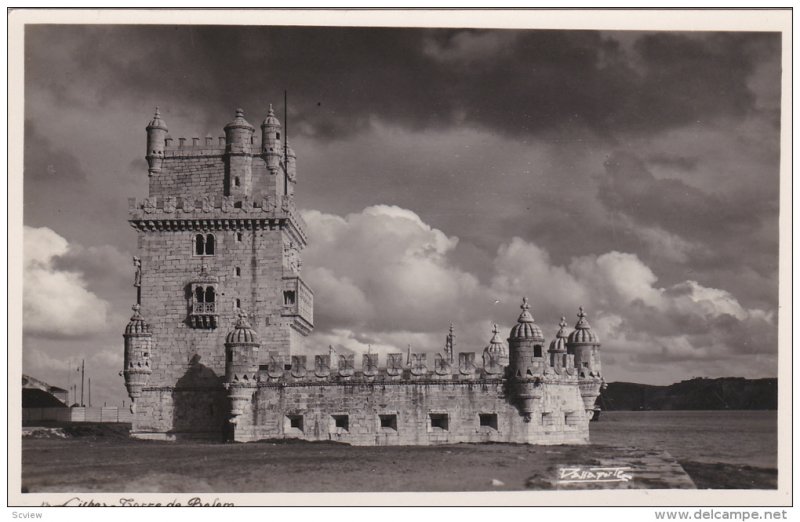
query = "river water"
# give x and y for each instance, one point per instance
(732, 437)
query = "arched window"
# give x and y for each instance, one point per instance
(210, 294)
(238, 303)
(199, 295)
(204, 245)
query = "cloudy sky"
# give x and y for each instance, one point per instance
(444, 174)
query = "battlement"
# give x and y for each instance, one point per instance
(214, 211)
(184, 147)
(420, 368)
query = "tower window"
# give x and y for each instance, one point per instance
(237, 271)
(295, 422)
(238, 236)
(488, 420)
(204, 245)
(388, 422)
(341, 422)
(236, 181)
(439, 421)
(537, 351)
(277, 135)
(288, 298)
(238, 303)
(204, 309)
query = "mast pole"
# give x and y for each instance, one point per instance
(285, 144)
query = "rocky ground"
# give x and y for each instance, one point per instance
(101, 458)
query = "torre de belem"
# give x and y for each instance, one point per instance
(215, 346)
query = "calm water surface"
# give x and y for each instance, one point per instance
(733, 437)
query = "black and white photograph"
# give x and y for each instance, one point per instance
(511, 257)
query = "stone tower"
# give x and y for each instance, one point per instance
(219, 239)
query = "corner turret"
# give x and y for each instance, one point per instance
(584, 344)
(138, 346)
(239, 162)
(156, 136)
(241, 366)
(271, 148)
(526, 364)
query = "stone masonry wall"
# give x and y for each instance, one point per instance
(559, 417)
(195, 174)
(187, 357)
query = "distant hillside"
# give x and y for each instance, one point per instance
(727, 393)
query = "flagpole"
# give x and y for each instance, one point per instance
(83, 363)
(285, 144)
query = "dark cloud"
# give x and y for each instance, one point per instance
(672, 204)
(517, 82)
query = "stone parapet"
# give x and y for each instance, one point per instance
(215, 212)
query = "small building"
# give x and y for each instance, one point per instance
(39, 394)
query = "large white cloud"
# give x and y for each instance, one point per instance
(385, 279)
(56, 302)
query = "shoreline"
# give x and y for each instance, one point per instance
(99, 458)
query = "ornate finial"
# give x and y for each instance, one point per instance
(271, 110)
(331, 351)
(525, 316)
(495, 330)
(239, 113)
(241, 321)
(563, 323)
(158, 113)
(136, 309)
(582, 322)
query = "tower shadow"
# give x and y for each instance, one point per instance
(198, 404)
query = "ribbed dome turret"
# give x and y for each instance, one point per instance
(559, 344)
(239, 122)
(497, 348)
(242, 333)
(271, 120)
(157, 122)
(137, 325)
(583, 333)
(525, 327)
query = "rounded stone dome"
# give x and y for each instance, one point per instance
(271, 120)
(242, 333)
(239, 122)
(583, 333)
(496, 346)
(525, 327)
(137, 325)
(157, 122)
(559, 344)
